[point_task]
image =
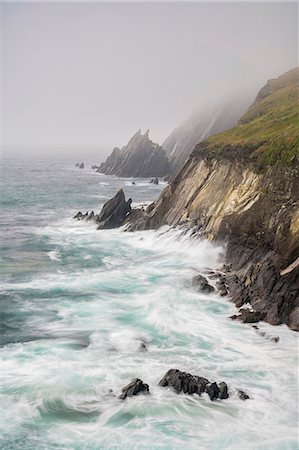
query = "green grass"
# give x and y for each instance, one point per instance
(269, 130)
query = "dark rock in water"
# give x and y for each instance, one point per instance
(247, 316)
(202, 284)
(81, 166)
(134, 388)
(78, 215)
(94, 167)
(184, 382)
(114, 212)
(143, 347)
(77, 164)
(213, 391)
(91, 216)
(133, 182)
(84, 216)
(223, 391)
(242, 395)
(154, 180)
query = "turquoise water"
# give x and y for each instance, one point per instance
(76, 303)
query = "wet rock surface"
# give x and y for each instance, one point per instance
(193, 384)
(136, 387)
(201, 284)
(248, 316)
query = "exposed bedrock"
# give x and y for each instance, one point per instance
(241, 188)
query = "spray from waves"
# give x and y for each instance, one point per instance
(87, 325)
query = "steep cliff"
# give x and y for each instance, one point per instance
(242, 187)
(200, 125)
(139, 158)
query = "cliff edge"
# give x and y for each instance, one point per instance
(241, 187)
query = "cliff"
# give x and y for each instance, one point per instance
(241, 187)
(139, 158)
(203, 123)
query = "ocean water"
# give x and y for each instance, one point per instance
(77, 303)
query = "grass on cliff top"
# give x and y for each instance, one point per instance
(271, 124)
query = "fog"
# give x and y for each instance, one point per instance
(83, 77)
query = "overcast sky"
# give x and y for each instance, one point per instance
(85, 76)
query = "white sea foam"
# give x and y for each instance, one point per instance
(83, 326)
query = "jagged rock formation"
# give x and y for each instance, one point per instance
(242, 187)
(139, 158)
(203, 123)
(194, 384)
(113, 214)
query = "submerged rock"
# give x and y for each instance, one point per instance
(134, 388)
(114, 212)
(202, 284)
(242, 395)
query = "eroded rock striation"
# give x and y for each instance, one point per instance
(242, 187)
(141, 157)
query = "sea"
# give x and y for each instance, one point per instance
(79, 304)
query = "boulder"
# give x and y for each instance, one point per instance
(212, 390)
(248, 316)
(202, 284)
(81, 166)
(223, 391)
(184, 382)
(134, 388)
(114, 212)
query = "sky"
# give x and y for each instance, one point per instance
(83, 77)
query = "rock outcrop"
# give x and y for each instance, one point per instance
(136, 387)
(139, 158)
(193, 384)
(114, 213)
(242, 187)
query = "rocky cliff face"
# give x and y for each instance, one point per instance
(139, 158)
(242, 187)
(202, 124)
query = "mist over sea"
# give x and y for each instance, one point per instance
(76, 305)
